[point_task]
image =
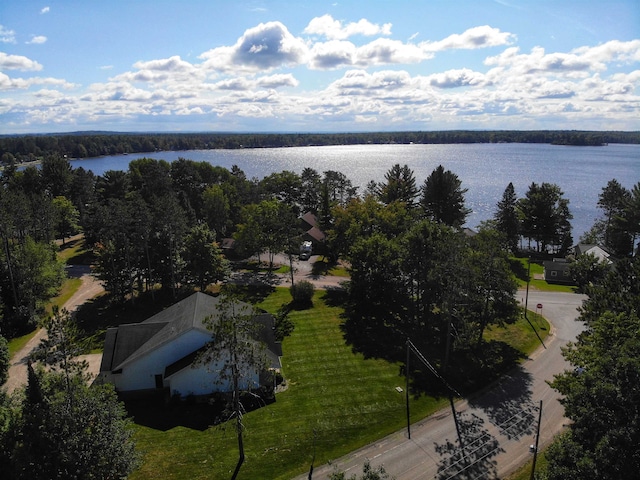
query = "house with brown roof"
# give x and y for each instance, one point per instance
(162, 352)
(312, 233)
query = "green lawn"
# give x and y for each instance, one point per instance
(16, 344)
(520, 335)
(345, 400)
(520, 266)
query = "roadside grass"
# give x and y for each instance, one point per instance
(524, 472)
(71, 251)
(336, 402)
(75, 252)
(520, 266)
(323, 266)
(522, 335)
(16, 344)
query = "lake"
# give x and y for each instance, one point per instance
(484, 169)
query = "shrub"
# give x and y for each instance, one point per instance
(302, 293)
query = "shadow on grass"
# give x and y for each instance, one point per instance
(468, 370)
(323, 266)
(154, 412)
(84, 255)
(518, 269)
(335, 296)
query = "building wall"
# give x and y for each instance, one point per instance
(204, 379)
(141, 374)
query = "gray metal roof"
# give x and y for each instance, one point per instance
(128, 342)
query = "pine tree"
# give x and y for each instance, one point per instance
(506, 217)
(443, 198)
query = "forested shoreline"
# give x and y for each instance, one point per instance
(30, 148)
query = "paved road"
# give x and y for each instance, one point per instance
(89, 288)
(499, 424)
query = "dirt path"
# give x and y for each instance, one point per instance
(89, 288)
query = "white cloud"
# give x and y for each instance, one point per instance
(240, 83)
(473, 38)
(276, 81)
(360, 81)
(332, 54)
(457, 78)
(614, 50)
(271, 82)
(265, 47)
(577, 63)
(18, 62)
(384, 51)
(171, 70)
(37, 39)
(6, 35)
(45, 10)
(8, 83)
(335, 30)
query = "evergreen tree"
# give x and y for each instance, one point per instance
(442, 198)
(58, 437)
(613, 200)
(399, 186)
(4, 358)
(546, 216)
(506, 217)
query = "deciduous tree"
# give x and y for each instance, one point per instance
(601, 394)
(205, 263)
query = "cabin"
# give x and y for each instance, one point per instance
(557, 271)
(161, 354)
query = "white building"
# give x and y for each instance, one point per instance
(161, 353)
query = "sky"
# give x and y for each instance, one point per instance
(318, 66)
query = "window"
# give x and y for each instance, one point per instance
(554, 273)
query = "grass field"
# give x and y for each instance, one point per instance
(521, 334)
(520, 267)
(335, 396)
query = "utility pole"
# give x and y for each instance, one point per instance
(535, 451)
(406, 389)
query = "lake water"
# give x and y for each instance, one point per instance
(484, 169)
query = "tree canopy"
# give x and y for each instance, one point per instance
(601, 394)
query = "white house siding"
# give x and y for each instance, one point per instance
(141, 373)
(202, 381)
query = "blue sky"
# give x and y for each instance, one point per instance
(318, 66)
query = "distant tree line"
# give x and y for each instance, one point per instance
(25, 148)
